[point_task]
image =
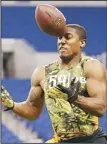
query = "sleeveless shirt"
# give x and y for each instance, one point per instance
(68, 120)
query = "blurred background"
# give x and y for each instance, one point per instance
(25, 47)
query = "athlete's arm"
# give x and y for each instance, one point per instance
(96, 87)
(32, 107)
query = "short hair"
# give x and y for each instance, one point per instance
(79, 29)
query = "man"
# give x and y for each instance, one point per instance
(74, 90)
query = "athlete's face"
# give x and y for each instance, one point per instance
(69, 44)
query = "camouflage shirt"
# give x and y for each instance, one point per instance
(68, 120)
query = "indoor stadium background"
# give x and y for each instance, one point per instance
(24, 47)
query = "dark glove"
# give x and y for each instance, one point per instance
(6, 99)
(71, 91)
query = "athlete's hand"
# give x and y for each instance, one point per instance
(6, 99)
(71, 91)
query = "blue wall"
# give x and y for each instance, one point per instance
(19, 22)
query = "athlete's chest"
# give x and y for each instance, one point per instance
(64, 77)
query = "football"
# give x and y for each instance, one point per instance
(50, 20)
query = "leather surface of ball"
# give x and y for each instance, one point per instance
(50, 20)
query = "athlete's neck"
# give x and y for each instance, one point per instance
(69, 64)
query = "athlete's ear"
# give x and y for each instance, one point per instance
(82, 43)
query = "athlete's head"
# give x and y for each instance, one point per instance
(72, 42)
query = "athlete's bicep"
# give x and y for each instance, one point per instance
(36, 94)
(96, 80)
(96, 88)
(36, 97)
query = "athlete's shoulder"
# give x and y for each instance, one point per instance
(85, 57)
(95, 68)
(38, 74)
(88, 59)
